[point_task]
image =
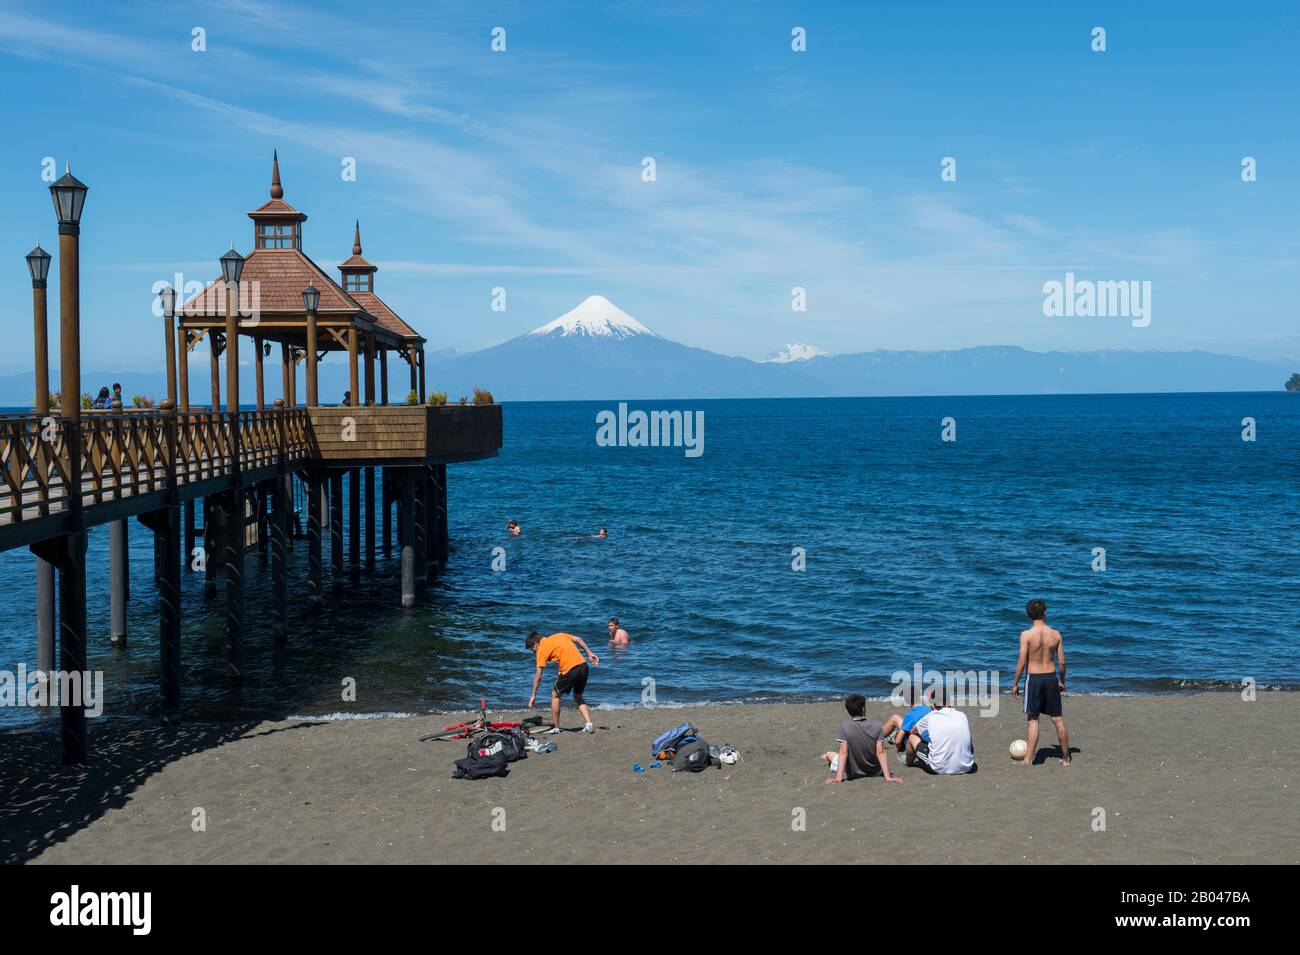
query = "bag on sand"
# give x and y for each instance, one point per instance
(666, 744)
(692, 757)
(480, 767)
(508, 743)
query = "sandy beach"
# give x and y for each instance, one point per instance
(1181, 779)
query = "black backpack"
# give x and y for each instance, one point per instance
(480, 767)
(508, 743)
(692, 757)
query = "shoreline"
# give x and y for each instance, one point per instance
(1195, 778)
(50, 722)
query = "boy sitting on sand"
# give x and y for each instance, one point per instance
(940, 742)
(862, 746)
(562, 648)
(899, 726)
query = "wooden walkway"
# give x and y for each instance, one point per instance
(134, 462)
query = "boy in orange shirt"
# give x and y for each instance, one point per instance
(562, 648)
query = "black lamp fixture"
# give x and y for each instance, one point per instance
(38, 263)
(69, 194)
(167, 295)
(266, 349)
(232, 267)
(310, 299)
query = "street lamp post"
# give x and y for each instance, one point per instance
(38, 265)
(310, 302)
(167, 297)
(69, 195)
(232, 267)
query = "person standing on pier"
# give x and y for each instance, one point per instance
(562, 648)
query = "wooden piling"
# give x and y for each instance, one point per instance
(279, 558)
(406, 514)
(211, 539)
(45, 598)
(315, 493)
(118, 574)
(368, 511)
(421, 493)
(386, 496)
(430, 521)
(354, 524)
(336, 530)
(444, 539)
(188, 524)
(169, 613)
(234, 528)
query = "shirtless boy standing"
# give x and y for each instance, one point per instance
(1041, 649)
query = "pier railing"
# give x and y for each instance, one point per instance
(129, 454)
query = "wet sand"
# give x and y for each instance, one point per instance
(1188, 779)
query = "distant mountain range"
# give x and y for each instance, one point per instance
(598, 351)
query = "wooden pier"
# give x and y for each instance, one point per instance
(66, 470)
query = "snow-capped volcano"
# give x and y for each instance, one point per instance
(597, 316)
(796, 351)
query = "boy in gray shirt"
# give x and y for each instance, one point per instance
(862, 746)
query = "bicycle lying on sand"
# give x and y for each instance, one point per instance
(481, 725)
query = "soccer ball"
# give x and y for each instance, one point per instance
(1018, 749)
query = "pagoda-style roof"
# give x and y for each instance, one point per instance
(385, 317)
(278, 276)
(277, 209)
(358, 262)
(275, 274)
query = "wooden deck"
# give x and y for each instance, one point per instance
(134, 462)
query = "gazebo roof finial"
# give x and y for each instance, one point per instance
(277, 190)
(356, 241)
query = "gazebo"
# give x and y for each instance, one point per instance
(286, 298)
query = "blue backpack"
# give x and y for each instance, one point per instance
(670, 741)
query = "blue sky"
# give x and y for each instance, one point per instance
(775, 169)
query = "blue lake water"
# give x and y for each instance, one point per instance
(917, 550)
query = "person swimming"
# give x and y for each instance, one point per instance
(602, 534)
(617, 635)
(513, 527)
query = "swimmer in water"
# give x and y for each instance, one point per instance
(602, 534)
(513, 527)
(617, 635)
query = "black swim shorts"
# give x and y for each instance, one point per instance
(575, 680)
(1042, 695)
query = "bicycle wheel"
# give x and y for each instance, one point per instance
(452, 732)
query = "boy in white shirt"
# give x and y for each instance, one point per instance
(949, 750)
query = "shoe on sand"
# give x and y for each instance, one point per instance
(553, 730)
(589, 728)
